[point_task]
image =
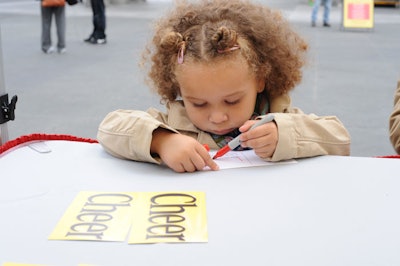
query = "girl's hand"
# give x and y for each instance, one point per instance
(181, 153)
(263, 139)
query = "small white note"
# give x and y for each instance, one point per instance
(246, 158)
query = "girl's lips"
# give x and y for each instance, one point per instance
(222, 132)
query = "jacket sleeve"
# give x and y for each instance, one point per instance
(302, 135)
(394, 121)
(128, 133)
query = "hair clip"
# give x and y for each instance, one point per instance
(233, 48)
(181, 53)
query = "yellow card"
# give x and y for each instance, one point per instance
(97, 216)
(24, 264)
(20, 264)
(172, 217)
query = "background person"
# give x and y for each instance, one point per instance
(98, 35)
(327, 10)
(48, 10)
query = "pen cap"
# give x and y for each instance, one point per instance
(234, 143)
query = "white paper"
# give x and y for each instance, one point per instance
(246, 158)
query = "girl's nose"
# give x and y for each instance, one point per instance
(218, 117)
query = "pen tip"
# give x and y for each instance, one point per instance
(221, 152)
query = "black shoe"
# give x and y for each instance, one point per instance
(89, 39)
(326, 24)
(94, 40)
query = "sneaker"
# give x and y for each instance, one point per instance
(101, 41)
(49, 50)
(326, 24)
(62, 50)
(94, 40)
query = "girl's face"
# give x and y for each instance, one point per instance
(220, 97)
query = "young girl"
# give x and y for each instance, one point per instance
(219, 65)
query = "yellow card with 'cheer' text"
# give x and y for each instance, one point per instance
(24, 264)
(97, 216)
(20, 264)
(171, 217)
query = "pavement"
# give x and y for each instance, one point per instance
(352, 73)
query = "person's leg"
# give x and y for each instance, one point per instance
(93, 6)
(46, 13)
(327, 11)
(98, 35)
(60, 23)
(314, 12)
(99, 19)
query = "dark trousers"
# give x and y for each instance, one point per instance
(47, 15)
(99, 19)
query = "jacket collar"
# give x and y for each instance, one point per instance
(280, 104)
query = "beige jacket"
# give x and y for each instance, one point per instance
(128, 134)
(394, 122)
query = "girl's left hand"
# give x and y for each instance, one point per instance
(262, 139)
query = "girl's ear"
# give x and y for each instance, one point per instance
(261, 86)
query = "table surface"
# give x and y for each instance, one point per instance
(327, 210)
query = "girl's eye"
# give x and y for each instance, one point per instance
(199, 104)
(232, 102)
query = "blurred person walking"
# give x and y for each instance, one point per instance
(327, 10)
(98, 35)
(48, 9)
(394, 121)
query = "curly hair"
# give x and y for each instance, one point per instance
(208, 30)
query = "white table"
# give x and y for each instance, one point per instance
(326, 210)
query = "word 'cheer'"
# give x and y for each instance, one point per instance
(167, 214)
(97, 211)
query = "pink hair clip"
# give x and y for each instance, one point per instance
(233, 48)
(181, 53)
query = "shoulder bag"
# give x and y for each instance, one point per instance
(50, 3)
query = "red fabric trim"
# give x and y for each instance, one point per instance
(41, 137)
(389, 156)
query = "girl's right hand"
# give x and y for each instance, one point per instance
(181, 153)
